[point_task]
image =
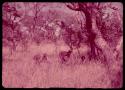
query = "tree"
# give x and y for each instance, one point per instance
(92, 12)
(103, 31)
(12, 34)
(10, 26)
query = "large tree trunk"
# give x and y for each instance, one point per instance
(91, 35)
(100, 43)
(110, 62)
(96, 41)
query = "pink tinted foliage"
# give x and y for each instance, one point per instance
(40, 58)
(117, 81)
(64, 56)
(39, 30)
(37, 58)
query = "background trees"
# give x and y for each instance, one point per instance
(11, 34)
(95, 21)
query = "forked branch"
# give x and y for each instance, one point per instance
(73, 6)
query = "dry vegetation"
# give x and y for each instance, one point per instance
(47, 46)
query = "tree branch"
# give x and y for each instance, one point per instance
(73, 7)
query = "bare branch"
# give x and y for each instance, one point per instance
(72, 6)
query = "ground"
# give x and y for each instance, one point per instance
(19, 70)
